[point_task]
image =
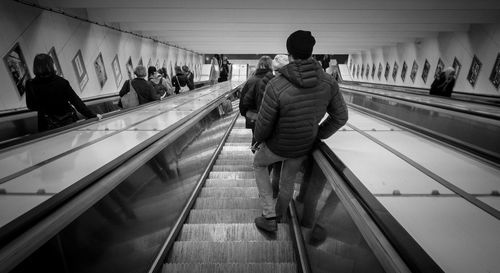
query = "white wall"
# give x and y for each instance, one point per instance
(481, 40)
(38, 31)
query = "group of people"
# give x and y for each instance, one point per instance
(285, 110)
(57, 103)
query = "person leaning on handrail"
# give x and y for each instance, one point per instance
(289, 123)
(52, 97)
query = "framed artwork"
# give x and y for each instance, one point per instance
(157, 65)
(350, 64)
(457, 66)
(100, 70)
(362, 70)
(387, 69)
(357, 72)
(353, 71)
(379, 73)
(403, 71)
(367, 71)
(17, 68)
(57, 65)
(150, 63)
(425, 71)
(475, 67)
(140, 62)
(117, 72)
(414, 70)
(373, 71)
(395, 71)
(130, 68)
(495, 73)
(439, 68)
(80, 70)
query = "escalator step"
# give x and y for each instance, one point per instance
(221, 192)
(249, 192)
(232, 156)
(232, 175)
(231, 232)
(232, 252)
(230, 268)
(230, 183)
(211, 216)
(227, 203)
(232, 168)
(233, 162)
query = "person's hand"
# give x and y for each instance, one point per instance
(99, 116)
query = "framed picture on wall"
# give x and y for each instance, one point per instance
(425, 71)
(157, 65)
(140, 62)
(353, 71)
(150, 63)
(373, 71)
(457, 66)
(80, 70)
(117, 72)
(387, 69)
(367, 71)
(17, 68)
(362, 70)
(403, 71)
(395, 71)
(130, 68)
(495, 73)
(57, 65)
(100, 70)
(414, 69)
(475, 67)
(439, 68)
(357, 72)
(379, 73)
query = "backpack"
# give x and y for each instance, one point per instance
(130, 99)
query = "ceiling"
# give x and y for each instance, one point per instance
(262, 26)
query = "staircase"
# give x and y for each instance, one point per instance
(219, 234)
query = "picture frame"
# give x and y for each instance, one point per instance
(414, 70)
(130, 68)
(362, 70)
(379, 73)
(140, 62)
(57, 66)
(357, 71)
(457, 66)
(475, 68)
(495, 73)
(117, 72)
(17, 68)
(395, 71)
(403, 71)
(439, 68)
(373, 71)
(367, 71)
(100, 70)
(80, 70)
(387, 70)
(425, 70)
(150, 63)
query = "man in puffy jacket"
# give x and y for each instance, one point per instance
(288, 123)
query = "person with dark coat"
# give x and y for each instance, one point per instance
(52, 97)
(444, 83)
(288, 123)
(189, 77)
(144, 89)
(179, 80)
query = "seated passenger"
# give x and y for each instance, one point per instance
(179, 81)
(144, 89)
(53, 97)
(444, 83)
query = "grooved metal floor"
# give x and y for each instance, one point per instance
(219, 234)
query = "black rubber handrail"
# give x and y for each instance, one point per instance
(409, 250)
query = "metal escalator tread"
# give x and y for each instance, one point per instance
(219, 234)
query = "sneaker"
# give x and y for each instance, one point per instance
(266, 224)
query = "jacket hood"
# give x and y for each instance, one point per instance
(302, 73)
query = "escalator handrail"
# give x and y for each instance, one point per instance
(43, 225)
(412, 254)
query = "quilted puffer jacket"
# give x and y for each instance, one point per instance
(293, 106)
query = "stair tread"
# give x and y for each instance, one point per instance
(232, 252)
(231, 232)
(230, 183)
(229, 267)
(251, 192)
(199, 216)
(227, 203)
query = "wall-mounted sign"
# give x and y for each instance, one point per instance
(117, 72)
(100, 70)
(414, 70)
(425, 71)
(80, 70)
(17, 68)
(495, 73)
(475, 67)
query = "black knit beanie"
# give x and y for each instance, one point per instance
(300, 44)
